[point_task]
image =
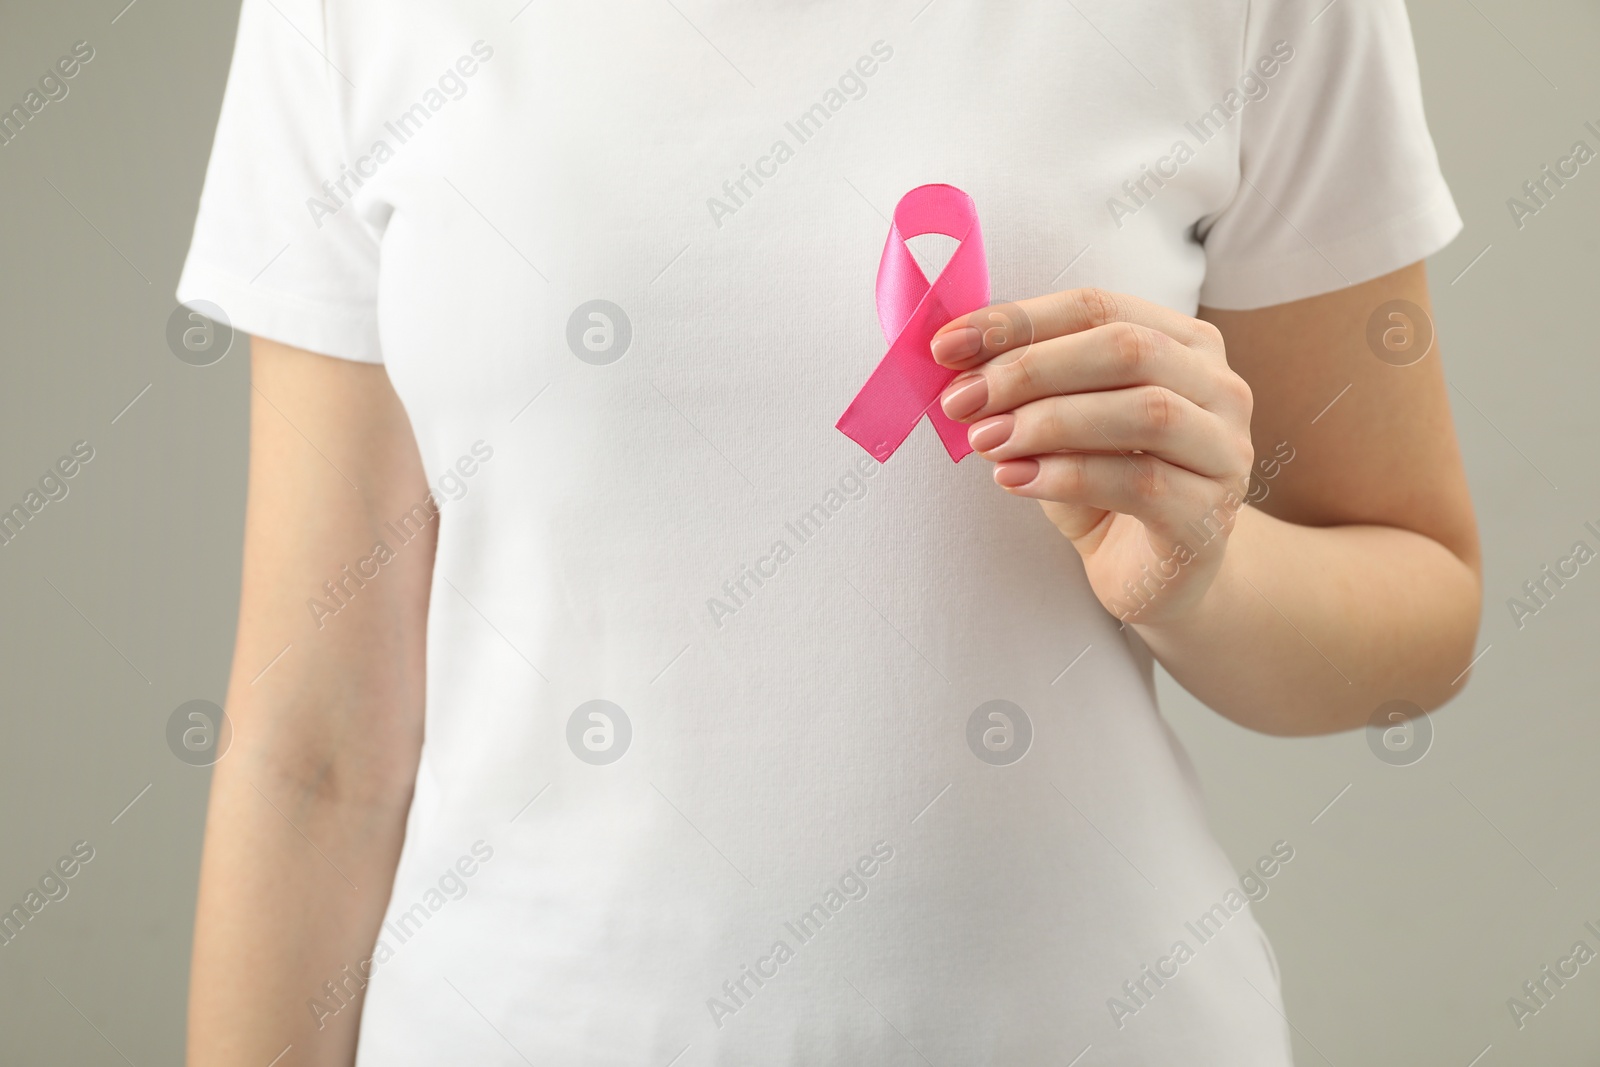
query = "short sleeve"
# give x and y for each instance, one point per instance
(1339, 180)
(284, 255)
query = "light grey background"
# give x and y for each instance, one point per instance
(1416, 904)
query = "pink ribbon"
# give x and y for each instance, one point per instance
(907, 382)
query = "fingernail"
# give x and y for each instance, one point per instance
(991, 433)
(965, 395)
(957, 345)
(1016, 472)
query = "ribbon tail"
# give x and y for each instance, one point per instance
(868, 427)
(953, 434)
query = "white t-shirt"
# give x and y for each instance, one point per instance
(796, 829)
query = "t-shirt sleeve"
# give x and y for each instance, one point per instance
(1339, 181)
(282, 255)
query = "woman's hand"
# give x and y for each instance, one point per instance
(1123, 419)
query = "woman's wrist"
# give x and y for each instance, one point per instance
(1229, 588)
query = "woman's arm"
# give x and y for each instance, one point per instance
(1356, 579)
(308, 807)
(1352, 579)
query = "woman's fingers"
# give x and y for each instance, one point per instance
(1103, 403)
(1115, 356)
(981, 336)
(1146, 418)
(1168, 500)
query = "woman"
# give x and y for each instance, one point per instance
(597, 702)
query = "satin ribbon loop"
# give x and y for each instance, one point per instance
(907, 382)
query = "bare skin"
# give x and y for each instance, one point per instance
(1365, 542)
(308, 806)
(1357, 578)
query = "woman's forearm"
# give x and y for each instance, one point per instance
(1308, 630)
(293, 887)
(303, 835)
